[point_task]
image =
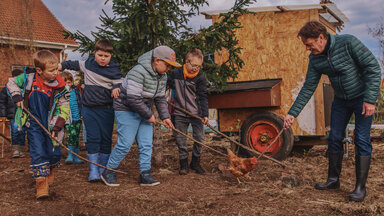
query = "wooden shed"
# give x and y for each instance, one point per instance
(276, 62)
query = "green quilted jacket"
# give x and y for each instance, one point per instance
(352, 70)
(141, 88)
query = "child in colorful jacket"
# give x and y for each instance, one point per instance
(143, 86)
(73, 126)
(102, 76)
(43, 92)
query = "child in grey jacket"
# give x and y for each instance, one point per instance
(144, 85)
(190, 86)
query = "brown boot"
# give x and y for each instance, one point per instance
(41, 187)
(51, 176)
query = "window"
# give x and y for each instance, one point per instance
(20, 67)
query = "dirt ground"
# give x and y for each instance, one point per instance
(270, 190)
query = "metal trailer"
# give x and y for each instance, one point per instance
(252, 108)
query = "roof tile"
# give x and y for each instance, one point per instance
(30, 20)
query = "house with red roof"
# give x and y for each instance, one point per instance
(26, 27)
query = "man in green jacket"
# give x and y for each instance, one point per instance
(355, 76)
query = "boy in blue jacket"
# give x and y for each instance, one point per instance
(143, 86)
(43, 92)
(101, 74)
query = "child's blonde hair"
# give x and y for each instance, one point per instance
(43, 57)
(195, 53)
(66, 76)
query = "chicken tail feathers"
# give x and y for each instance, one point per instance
(230, 153)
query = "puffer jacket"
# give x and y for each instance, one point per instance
(352, 70)
(141, 88)
(7, 107)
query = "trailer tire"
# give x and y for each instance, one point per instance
(260, 129)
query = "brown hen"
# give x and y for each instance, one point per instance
(240, 166)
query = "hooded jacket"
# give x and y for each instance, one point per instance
(351, 68)
(7, 107)
(141, 88)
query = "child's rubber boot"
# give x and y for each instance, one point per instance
(76, 159)
(42, 188)
(16, 154)
(103, 161)
(69, 159)
(94, 175)
(51, 176)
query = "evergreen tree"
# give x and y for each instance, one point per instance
(138, 26)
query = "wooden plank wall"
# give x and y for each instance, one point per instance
(271, 49)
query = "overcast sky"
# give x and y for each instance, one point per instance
(83, 15)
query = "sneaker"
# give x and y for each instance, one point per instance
(16, 154)
(147, 180)
(109, 178)
(18, 151)
(21, 154)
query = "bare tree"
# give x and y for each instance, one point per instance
(377, 32)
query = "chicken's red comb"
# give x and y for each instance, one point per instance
(253, 160)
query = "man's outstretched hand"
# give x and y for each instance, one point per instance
(288, 121)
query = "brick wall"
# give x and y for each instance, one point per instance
(15, 56)
(10, 57)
